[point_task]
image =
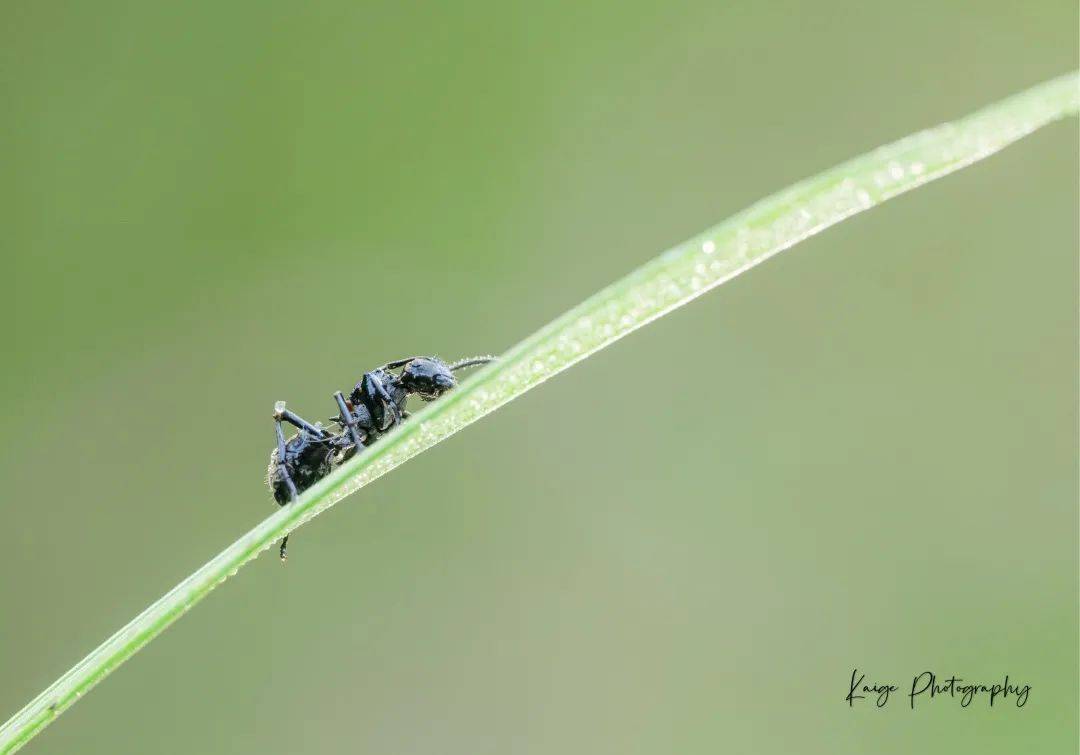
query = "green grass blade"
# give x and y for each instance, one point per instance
(669, 281)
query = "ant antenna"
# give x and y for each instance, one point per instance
(471, 362)
(398, 363)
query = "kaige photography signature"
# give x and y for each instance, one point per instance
(925, 686)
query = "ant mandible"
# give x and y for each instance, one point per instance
(375, 406)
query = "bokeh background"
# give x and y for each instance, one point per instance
(863, 453)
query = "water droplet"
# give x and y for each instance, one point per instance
(708, 247)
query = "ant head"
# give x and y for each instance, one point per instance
(427, 377)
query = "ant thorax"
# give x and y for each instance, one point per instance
(362, 416)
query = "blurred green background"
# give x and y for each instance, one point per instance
(861, 454)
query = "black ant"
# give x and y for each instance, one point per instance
(375, 406)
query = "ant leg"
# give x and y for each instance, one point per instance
(283, 554)
(349, 421)
(282, 466)
(380, 391)
(281, 413)
(283, 469)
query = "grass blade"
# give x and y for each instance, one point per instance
(668, 282)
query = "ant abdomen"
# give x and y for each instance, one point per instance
(307, 460)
